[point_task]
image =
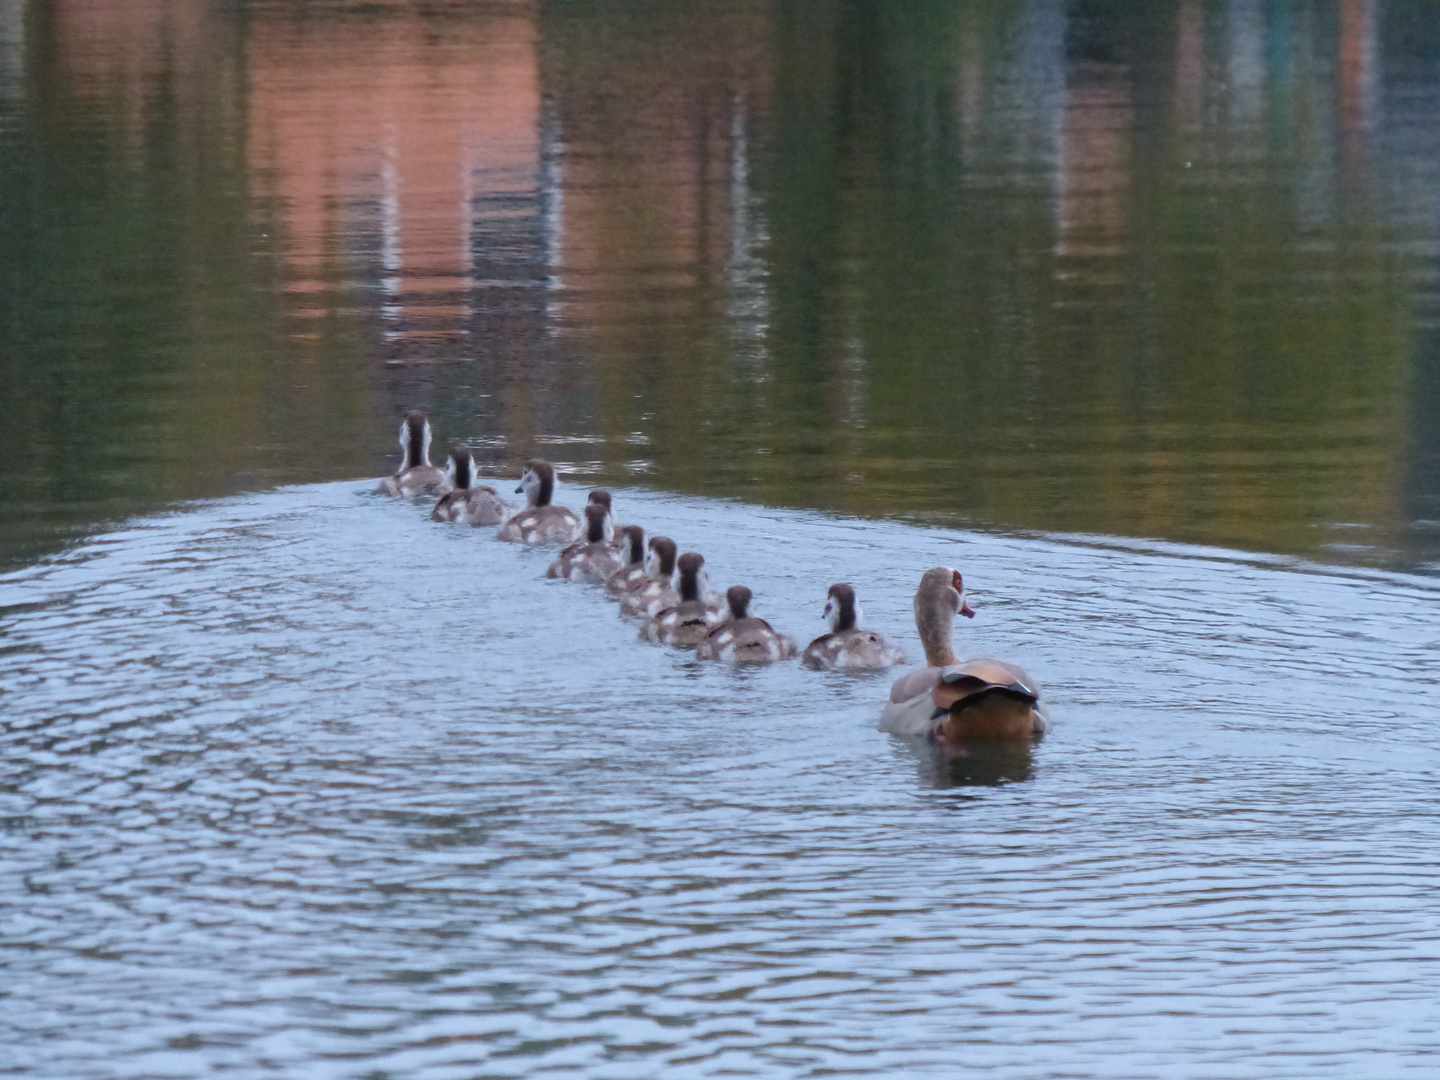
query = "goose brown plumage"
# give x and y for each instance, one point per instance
(954, 701)
(691, 617)
(655, 591)
(468, 502)
(540, 522)
(416, 475)
(634, 569)
(594, 559)
(741, 636)
(847, 645)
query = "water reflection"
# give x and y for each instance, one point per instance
(399, 152)
(973, 765)
(1155, 269)
(12, 51)
(1422, 494)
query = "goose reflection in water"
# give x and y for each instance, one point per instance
(981, 764)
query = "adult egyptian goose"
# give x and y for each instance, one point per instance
(740, 636)
(540, 522)
(416, 476)
(593, 560)
(689, 620)
(848, 646)
(469, 503)
(953, 701)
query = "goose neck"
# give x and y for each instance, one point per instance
(936, 629)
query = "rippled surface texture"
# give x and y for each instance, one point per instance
(1154, 268)
(301, 784)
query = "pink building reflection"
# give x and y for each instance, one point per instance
(1094, 160)
(384, 142)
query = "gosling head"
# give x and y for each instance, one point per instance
(597, 524)
(842, 609)
(460, 469)
(634, 543)
(691, 567)
(737, 602)
(415, 440)
(660, 560)
(538, 482)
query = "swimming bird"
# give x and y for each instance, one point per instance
(847, 646)
(540, 522)
(633, 537)
(468, 502)
(416, 476)
(599, 498)
(953, 701)
(617, 531)
(742, 636)
(654, 591)
(687, 622)
(593, 560)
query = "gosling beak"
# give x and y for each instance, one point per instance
(519, 489)
(966, 610)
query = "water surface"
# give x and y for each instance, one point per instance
(1127, 309)
(302, 784)
(1162, 270)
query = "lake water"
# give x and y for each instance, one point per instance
(1127, 310)
(1148, 269)
(303, 784)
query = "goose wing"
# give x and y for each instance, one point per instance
(959, 682)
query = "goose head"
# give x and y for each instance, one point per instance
(538, 482)
(737, 602)
(660, 560)
(939, 599)
(601, 500)
(415, 440)
(597, 524)
(634, 544)
(460, 469)
(691, 568)
(842, 609)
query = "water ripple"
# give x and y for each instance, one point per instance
(301, 784)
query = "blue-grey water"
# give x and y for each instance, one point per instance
(301, 784)
(1129, 310)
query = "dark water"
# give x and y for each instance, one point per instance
(1147, 269)
(1128, 309)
